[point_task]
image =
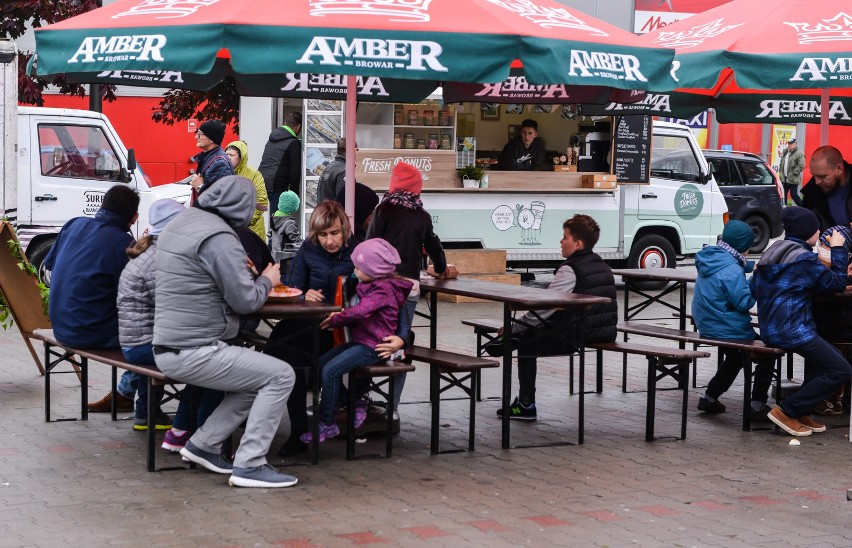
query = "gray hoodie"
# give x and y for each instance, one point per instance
(202, 280)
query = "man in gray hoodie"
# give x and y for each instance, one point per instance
(203, 285)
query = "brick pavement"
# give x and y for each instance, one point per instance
(84, 483)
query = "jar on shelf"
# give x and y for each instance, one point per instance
(446, 142)
(398, 115)
(428, 117)
(421, 144)
(432, 143)
(397, 140)
(409, 140)
(413, 117)
(444, 118)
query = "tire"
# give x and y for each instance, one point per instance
(652, 251)
(761, 234)
(36, 254)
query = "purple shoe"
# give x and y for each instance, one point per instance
(175, 442)
(360, 414)
(326, 431)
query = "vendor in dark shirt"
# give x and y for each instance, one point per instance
(525, 152)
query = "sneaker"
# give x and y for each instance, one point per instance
(521, 412)
(829, 409)
(292, 447)
(711, 406)
(211, 461)
(260, 476)
(326, 431)
(360, 415)
(163, 422)
(788, 424)
(807, 421)
(761, 415)
(175, 442)
(103, 405)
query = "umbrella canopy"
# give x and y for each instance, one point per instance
(433, 40)
(790, 45)
(454, 40)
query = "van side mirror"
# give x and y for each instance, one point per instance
(127, 172)
(705, 177)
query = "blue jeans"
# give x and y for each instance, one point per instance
(406, 320)
(826, 371)
(133, 383)
(333, 365)
(206, 400)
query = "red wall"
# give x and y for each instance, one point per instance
(162, 151)
(741, 137)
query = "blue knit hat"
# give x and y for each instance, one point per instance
(738, 235)
(799, 223)
(288, 202)
(845, 230)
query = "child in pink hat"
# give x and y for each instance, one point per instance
(381, 293)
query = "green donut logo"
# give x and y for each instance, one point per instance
(688, 202)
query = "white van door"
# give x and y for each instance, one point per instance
(677, 196)
(72, 165)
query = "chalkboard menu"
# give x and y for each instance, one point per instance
(631, 150)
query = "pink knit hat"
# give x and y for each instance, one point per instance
(376, 258)
(406, 177)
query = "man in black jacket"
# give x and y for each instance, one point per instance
(333, 178)
(584, 272)
(525, 152)
(827, 193)
(281, 164)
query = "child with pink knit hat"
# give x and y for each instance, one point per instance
(402, 221)
(381, 294)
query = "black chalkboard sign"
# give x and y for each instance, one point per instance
(631, 149)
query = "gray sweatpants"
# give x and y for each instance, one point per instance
(257, 387)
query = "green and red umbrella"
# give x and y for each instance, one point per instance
(432, 40)
(453, 40)
(784, 47)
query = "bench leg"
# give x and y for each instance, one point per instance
(435, 397)
(389, 415)
(651, 399)
(152, 424)
(84, 389)
(113, 408)
(350, 420)
(599, 368)
(684, 371)
(48, 368)
(571, 375)
(474, 386)
(747, 376)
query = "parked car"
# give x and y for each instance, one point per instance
(752, 191)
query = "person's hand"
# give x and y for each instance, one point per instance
(271, 272)
(388, 346)
(196, 181)
(450, 273)
(500, 332)
(849, 270)
(836, 239)
(314, 295)
(326, 323)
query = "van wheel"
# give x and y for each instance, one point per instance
(761, 233)
(651, 251)
(36, 254)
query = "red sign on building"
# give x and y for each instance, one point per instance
(650, 15)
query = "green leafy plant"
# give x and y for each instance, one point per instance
(6, 319)
(470, 172)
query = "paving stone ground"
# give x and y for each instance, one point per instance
(85, 484)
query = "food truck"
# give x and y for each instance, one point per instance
(650, 190)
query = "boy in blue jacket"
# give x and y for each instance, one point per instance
(720, 306)
(787, 276)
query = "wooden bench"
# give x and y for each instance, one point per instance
(455, 370)
(659, 361)
(387, 372)
(55, 353)
(748, 350)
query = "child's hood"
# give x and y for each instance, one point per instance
(780, 256)
(400, 287)
(712, 259)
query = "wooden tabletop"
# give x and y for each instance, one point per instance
(299, 309)
(519, 297)
(657, 274)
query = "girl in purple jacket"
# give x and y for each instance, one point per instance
(381, 293)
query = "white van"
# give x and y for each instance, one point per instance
(642, 225)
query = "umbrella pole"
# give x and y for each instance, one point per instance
(351, 106)
(825, 106)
